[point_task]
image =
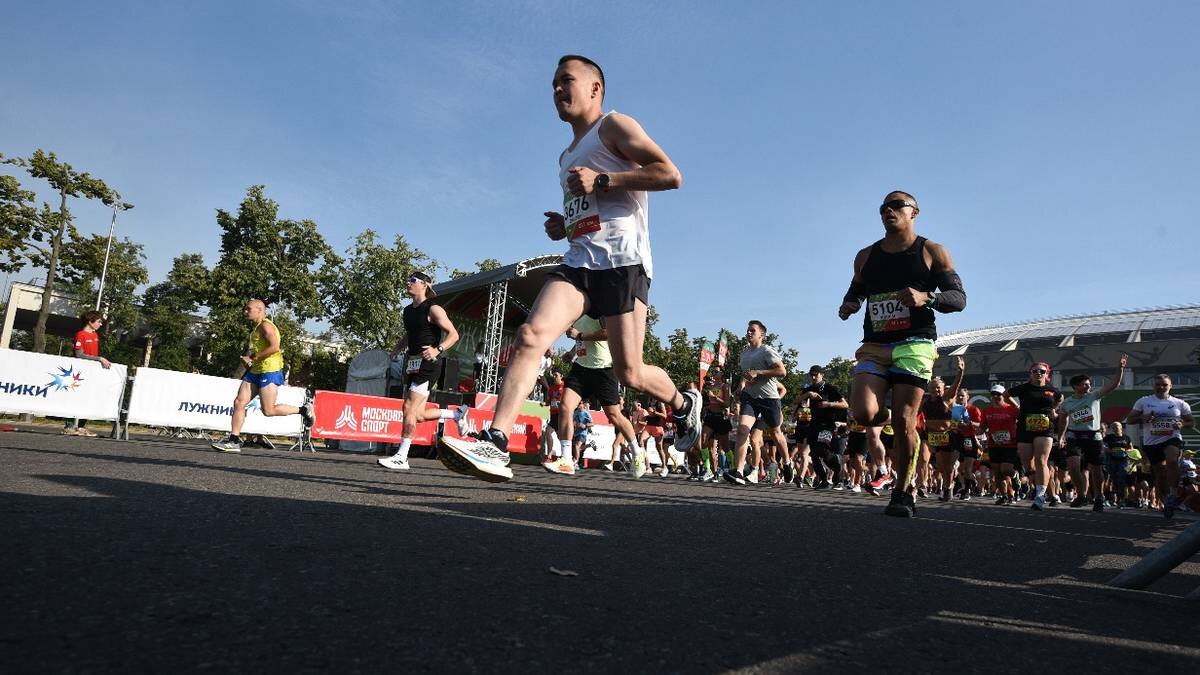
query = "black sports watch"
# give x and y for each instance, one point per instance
(602, 181)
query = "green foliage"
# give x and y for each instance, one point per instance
(318, 370)
(837, 373)
(82, 265)
(370, 289)
(169, 307)
(36, 238)
(485, 265)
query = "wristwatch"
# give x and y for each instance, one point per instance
(602, 181)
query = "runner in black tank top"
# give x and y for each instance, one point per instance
(897, 277)
(427, 333)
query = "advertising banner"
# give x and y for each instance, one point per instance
(357, 417)
(43, 384)
(169, 398)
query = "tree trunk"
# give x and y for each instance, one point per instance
(39, 329)
(149, 349)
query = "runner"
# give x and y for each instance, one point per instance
(1081, 438)
(802, 414)
(965, 417)
(937, 407)
(87, 346)
(554, 395)
(591, 378)
(828, 408)
(1117, 446)
(759, 398)
(1163, 417)
(264, 375)
(656, 420)
(605, 174)
(897, 276)
(716, 427)
(428, 332)
(1000, 424)
(1035, 426)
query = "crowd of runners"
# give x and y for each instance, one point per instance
(898, 431)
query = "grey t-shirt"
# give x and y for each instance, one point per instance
(761, 358)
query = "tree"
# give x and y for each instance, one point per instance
(82, 265)
(27, 241)
(837, 373)
(285, 263)
(485, 265)
(368, 291)
(169, 308)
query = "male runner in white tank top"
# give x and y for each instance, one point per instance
(605, 174)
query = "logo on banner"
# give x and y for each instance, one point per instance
(346, 419)
(65, 379)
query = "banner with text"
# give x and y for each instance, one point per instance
(169, 398)
(525, 435)
(357, 417)
(43, 384)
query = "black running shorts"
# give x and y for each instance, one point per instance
(608, 292)
(593, 384)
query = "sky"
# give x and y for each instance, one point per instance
(1053, 146)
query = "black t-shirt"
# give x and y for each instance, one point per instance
(1036, 400)
(1116, 443)
(825, 418)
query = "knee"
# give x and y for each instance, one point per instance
(630, 374)
(529, 336)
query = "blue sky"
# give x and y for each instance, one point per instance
(1041, 139)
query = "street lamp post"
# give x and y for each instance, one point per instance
(117, 206)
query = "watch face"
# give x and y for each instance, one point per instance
(602, 179)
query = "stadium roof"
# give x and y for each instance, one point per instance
(1131, 323)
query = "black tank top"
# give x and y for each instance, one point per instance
(420, 331)
(935, 408)
(886, 273)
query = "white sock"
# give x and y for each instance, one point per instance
(446, 414)
(402, 453)
(564, 450)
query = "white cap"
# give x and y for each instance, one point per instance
(997, 389)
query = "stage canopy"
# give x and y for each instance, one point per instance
(500, 299)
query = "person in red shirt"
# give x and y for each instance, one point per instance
(554, 397)
(87, 346)
(1000, 423)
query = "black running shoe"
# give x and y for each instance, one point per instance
(735, 477)
(900, 506)
(788, 473)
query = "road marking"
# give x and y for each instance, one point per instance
(1059, 632)
(504, 521)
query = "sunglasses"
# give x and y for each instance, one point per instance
(413, 280)
(895, 205)
(1039, 371)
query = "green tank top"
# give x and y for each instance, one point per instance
(1083, 414)
(258, 343)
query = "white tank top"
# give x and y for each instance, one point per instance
(605, 229)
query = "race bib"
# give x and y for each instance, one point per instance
(888, 313)
(581, 213)
(825, 436)
(1037, 423)
(857, 428)
(1001, 437)
(805, 415)
(1082, 416)
(968, 443)
(1162, 426)
(413, 365)
(939, 438)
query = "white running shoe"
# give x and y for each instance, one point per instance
(228, 445)
(752, 476)
(687, 428)
(560, 466)
(664, 473)
(475, 457)
(394, 462)
(639, 465)
(607, 466)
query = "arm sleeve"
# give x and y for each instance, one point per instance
(952, 298)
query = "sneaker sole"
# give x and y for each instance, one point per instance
(389, 467)
(459, 462)
(554, 470)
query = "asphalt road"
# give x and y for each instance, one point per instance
(152, 556)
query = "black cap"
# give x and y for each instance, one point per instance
(816, 369)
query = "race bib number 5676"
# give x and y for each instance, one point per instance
(581, 213)
(888, 313)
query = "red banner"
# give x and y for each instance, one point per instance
(524, 437)
(722, 351)
(355, 417)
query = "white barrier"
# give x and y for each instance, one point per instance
(60, 386)
(169, 398)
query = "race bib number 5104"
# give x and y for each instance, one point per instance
(888, 313)
(581, 213)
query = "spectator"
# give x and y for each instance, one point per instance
(87, 346)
